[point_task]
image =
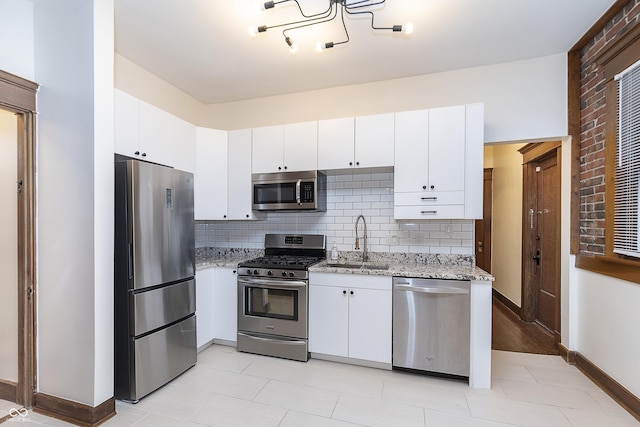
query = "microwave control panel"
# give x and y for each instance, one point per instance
(307, 192)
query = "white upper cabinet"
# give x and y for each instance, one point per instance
(374, 141)
(438, 163)
(127, 124)
(361, 142)
(301, 146)
(285, 148)
(336, 139)
(210, 186)
(239, 189)
(267, 146)
(146, 132)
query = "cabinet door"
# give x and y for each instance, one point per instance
(301, 146)
(210, 179)
(374, 137)
(205, 283)
(447, 128)
(225, 304)
(474, 161)
(167, 139)
(127, 125)
(336, 143)
(370, 324)
(411, 151)
(328, 320)
(267, 149)
(239, 191)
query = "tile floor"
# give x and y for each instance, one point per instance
(227, 388)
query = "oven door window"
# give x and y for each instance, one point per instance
(272, 303)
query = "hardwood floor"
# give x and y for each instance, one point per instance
(509, 333)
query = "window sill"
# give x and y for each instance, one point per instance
(619, 268)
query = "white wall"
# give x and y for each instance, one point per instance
(9, 247)
(608, 320)
(507, 221)
(73, 65)
(523, 100)
(16, 38)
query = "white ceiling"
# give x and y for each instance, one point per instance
(203, 48)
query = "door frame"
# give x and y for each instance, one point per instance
(484, 226)
(18, 95)
(533, 153)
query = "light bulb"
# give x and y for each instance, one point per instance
(407, 28)
(319, 46)
(293, 48)
(253, 30)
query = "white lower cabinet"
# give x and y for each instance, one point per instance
(350, 316)
(216, 305)
(205, 284)
(225, 304)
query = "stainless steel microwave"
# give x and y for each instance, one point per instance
(290, 191)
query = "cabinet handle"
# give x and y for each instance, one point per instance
(285, 168)
(234, 272)
(433, 186)
(351, 292)
(279, 168)
(247, 215)
(137, 153)
(224, 216)
(428, 212)
(350, 163)
(357, 163)
(429, 198)
(344, 292)
(424, 187)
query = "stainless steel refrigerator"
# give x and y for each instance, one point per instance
(154, 266)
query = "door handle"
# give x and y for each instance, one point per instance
(537, 257)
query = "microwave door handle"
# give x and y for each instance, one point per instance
(298, 191)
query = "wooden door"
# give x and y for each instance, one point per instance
(483, 226)
(541, 236)
(546, 222)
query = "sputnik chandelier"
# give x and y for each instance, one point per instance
(335, 8)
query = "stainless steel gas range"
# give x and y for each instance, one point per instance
(273, 296)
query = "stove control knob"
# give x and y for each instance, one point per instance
(292, 274)
(269, 273)
(284, 274)
(255, 271)
(249, 271)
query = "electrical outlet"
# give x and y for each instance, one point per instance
(392, 239)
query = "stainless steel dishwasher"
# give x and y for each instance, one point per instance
(431, 325)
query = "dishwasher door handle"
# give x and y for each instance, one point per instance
(431, 290)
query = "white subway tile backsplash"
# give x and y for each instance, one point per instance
(348, 195)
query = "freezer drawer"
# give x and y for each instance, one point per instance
(163, 355)
(431, 325)
(161, 306)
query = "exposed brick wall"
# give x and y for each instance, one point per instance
(592, 131)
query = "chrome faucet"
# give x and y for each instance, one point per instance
(365, 257)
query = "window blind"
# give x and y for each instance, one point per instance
(626, 239)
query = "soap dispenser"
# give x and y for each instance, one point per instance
(334, 252)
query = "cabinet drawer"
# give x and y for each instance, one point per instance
(429, 212)
(350, 280)
(418, 198)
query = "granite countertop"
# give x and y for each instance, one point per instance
(421, 266)
(408, 269)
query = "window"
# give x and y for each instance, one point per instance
(626, 235)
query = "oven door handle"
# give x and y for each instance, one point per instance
(271, 283)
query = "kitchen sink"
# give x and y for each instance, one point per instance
(359, 266)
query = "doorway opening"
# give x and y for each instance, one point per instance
(511, 331)
(17, 219)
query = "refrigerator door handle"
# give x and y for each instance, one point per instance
(130, 261)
